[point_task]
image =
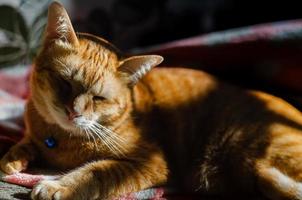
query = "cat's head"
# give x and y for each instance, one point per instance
(80, 80)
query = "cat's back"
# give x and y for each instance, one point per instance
(173, 87)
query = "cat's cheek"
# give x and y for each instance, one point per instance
(109, 113)
(52, 190)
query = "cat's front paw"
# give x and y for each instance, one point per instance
(14, 166)
(52, 190)
(13, 161)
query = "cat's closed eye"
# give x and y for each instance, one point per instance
(98, 98)
(65, 86)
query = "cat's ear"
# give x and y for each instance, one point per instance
(136, 67)
(59, 27)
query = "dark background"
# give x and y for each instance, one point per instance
(137, 23)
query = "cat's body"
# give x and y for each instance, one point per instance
(121, 130)
(217, 137)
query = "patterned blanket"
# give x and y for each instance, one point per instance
(270, 53)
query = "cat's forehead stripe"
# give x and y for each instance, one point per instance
(100, 41)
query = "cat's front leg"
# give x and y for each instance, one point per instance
(105, 179)
(18, 157)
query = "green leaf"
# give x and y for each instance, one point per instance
(40, 19)
(36, 33)
(11, 55)
(12, 21)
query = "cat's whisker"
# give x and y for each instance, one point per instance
(109, 135)
(94, 140)
(89, 136)
(102, 137)
(110, 142)
(110, 132)
(85, 131)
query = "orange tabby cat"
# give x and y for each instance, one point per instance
(119, 129)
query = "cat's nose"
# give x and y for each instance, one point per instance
(72, 113)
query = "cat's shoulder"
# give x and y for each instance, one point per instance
(179, 70)
(169, 86)
(180, 74)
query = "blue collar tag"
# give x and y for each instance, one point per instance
(50, 142)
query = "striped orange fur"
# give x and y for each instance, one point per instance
(119, 126)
